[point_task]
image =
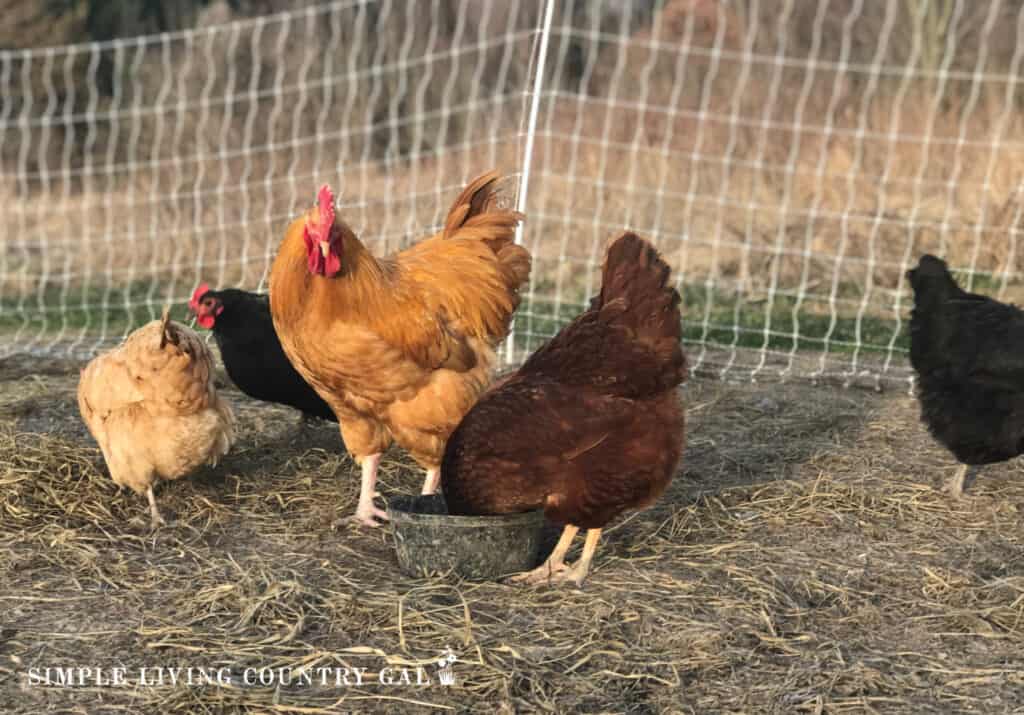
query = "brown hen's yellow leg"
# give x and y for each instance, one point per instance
(154, 513)
(956, 484)
(366, 512)
(555, 564)
(433, 481)
(578, 573)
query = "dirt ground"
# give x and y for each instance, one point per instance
(805, 559)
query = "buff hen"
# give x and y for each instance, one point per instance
(152, 406)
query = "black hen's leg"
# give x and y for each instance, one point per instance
(956, 485)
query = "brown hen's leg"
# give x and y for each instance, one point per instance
(555, 564)
(956, 484)
(433, 481)
(154, 513)
(366, 512)
(578, 573)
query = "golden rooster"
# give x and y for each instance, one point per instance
(399, 347)
(152, 406)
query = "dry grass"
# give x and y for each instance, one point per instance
(803, 560)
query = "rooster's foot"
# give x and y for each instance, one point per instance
(367, 515)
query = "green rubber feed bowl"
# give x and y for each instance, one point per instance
(429, 542)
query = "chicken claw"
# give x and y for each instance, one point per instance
(547, 572)
(367, 515)
(554, 570)
(551, 570)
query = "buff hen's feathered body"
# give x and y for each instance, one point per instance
(152, 406)
(400, 347)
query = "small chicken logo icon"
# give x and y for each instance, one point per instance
(445, 674)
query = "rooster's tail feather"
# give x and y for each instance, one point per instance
(475, 215)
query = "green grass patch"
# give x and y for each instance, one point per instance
(715, 317)
(86, 311)
(727, 319)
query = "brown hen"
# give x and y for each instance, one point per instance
(591, 425)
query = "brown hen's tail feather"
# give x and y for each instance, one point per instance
(637, 294)
(628, 343)
(636, 276)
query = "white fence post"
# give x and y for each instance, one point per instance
(531, 131)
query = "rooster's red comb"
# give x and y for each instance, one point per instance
(197, 296)
(325, 202)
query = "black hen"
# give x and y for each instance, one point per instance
(251, 350)
(968, 352)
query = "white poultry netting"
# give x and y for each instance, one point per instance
(791, 159)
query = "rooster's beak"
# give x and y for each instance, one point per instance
(324, 248)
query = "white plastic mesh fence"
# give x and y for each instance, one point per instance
(791, 159)
(136, 169)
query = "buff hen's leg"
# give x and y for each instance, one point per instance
(433, 481)
(366, 512)
(154, 513)
(551, 569)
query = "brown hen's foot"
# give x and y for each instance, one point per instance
(578, 573)
(955, 486)
(550, 570)
(156, 521)
(547, 572)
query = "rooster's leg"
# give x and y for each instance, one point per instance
(433, 481)
(154, 513)
(366, 512)
(956, 484)
(578, 573)
(555, 563)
